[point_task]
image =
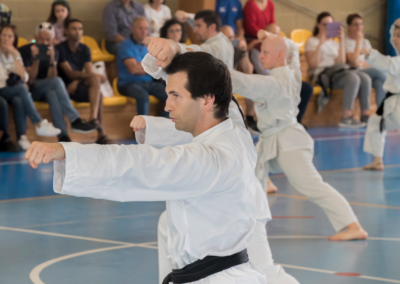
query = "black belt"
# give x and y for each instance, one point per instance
(205, 267)
(381, 109)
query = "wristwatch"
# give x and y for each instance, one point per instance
(54, 64)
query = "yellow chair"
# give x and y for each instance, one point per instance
(188, 41)
(152, 99)
(317, 90)
(300, 36)
(97, 53)
(104, 50)
(22, 41)
(41, 105)
(283, 34)
(238, 96)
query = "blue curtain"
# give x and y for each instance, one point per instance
(393, 13)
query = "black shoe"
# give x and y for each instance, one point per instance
(64, 138)
(81, 126)
(252, 125)
(364, 118)
(97, 124)
(8, 146)
(103, 140)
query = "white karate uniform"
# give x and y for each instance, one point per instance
(218, 46)
(374, 142)
(284, 144)
(161, 132)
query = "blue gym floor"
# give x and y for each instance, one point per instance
(47, 238)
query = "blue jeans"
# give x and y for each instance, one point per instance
(53, 91)
(4, 119)
(378, 78)
(19, 97)
(141, 91)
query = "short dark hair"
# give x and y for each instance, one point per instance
(209, 17)
(66, 26)
(320, 17)
(168, 24)
(52, 18)
(14, 30)
(207, 76)
(352, 17)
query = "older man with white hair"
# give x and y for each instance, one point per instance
(40, 61)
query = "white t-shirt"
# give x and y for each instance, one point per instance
(329, 52)
(7, 65)
(157, 18)
(350, 45)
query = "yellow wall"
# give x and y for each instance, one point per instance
(28, 13)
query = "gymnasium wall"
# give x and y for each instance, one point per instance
(27, 13)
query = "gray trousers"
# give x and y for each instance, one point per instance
(353, 83)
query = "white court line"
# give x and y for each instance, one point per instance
(333, 272)
(71, 236)
(14, 163)
(325, 237)
(35, 273)
(348, 137)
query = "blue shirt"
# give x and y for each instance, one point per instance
(76, 59)
(130, 49)
(230, 11)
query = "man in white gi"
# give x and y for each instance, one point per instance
(208, 184)
(388, 115)
(284, 144)
(161, 132)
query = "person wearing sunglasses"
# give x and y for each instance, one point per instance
(40, 60)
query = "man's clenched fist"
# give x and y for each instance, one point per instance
(138, 123)
(43, 153)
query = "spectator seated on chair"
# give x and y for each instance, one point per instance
(133, 81)
(175, 30)
(59, 15)
(13, 90)
(118, 16)
(257, 15)
(355, 42)
(326, 59)
(45, 85)
(76, 70)
(157, 13)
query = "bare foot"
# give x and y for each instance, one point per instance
(271, 188)
(354, 231)
(376, 165)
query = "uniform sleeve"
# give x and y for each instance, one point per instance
(150, 68)
(384, 63)
(293, 55)
(161, 132)
(141, 172)
(258, 88)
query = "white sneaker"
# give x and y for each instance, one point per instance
(24, 143)
(47, 129)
